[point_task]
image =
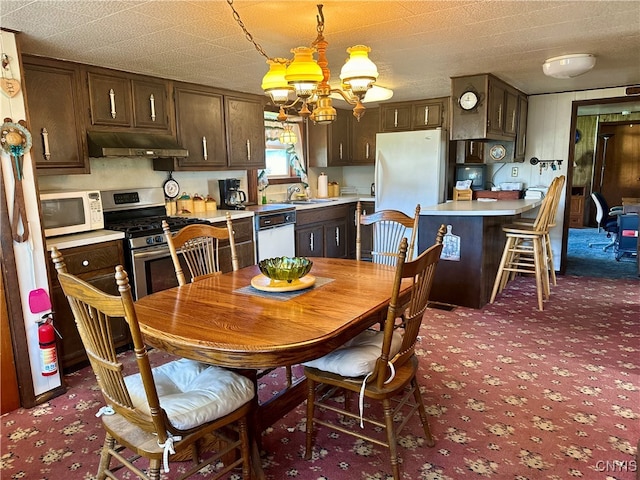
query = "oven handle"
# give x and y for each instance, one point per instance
(150, 254)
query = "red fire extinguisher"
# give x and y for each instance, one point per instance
(47, 340)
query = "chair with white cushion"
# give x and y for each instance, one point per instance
(159, 412)
(378, 364)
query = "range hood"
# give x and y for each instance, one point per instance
(122, 144)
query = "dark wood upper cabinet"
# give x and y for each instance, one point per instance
(200, 127)
(55, 109)
(415, 115)
(497, 115)
(329, 145)
(151, 108)
(363, 137)
(109, 100)
(244, 120)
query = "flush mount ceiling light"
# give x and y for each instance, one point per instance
(568, 66)
(308, 79)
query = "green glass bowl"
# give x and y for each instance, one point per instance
(285, 268)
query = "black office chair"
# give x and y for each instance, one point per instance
(607, 219)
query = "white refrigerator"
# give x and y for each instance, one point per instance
(410, 169)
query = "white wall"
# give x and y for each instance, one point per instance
(29, 255)
(122, 173)
(548, 138)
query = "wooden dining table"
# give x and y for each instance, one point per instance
(223, 320)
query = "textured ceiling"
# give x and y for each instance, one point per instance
(417, 45)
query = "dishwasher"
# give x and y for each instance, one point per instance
(275, 232)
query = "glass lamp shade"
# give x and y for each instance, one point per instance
(303, 73)
(359, 72)
(274, 82)
(288, 137)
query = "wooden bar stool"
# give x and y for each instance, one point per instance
(525, 250)
(552, 223)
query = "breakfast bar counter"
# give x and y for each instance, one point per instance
(472, 249)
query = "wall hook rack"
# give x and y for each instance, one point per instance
(554, 164)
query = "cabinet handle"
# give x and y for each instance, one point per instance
(85, 263)
(395, 117)
(152, 102)
(311, 241)
(500, 116)
(45, 142)
(513, 121)
(426, 115)
(337, 236)
(205, 155)
(248, 150)
(112, 102)
(366, 151)
(340, 150)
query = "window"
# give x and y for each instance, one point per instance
(284, 161)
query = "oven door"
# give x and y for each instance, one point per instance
(153, 270)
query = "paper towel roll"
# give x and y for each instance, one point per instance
(323, 186)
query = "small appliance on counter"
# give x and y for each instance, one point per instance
(231, 197)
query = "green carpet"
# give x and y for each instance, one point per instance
(585, 261)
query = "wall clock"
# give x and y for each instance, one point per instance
(468, 100)
(497, 152)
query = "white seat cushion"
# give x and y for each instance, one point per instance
(193, 393)
(358, 356)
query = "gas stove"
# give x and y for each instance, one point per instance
(139, 214)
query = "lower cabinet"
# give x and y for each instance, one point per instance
(324, 232)
(243, 235)
(96, 265)
(366, 232)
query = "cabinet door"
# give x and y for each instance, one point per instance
(366, 232)
(363, 137)
(511, 112)
(396, 118)
(474, 151)
(151, 104)
(309, 241)
(55, 120)
(244, 120)
(427, 115)
(496, 119)
(109, 100)
(200, 126)
(335, 239)
(521, 135)
(339, 130)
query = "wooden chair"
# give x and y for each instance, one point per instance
(199, 246)
(160, 411)
(389, 228)
(525, 250)
(386, 359)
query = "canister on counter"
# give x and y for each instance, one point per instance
(171, 207)
(198, 203)
(185, 203)
(210, 204)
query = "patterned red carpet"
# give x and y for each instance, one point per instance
(512, 393)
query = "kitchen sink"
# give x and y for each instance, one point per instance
(310, 201)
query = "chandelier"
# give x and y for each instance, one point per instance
(308, 79)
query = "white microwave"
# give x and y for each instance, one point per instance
(66, 211)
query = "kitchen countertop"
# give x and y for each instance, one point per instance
(84, 238)
(475, 208)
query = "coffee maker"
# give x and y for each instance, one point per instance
(231, 197)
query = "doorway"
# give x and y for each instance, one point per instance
(605, 157)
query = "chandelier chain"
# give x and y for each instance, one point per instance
(247, 34)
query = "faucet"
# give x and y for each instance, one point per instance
(291, 190)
